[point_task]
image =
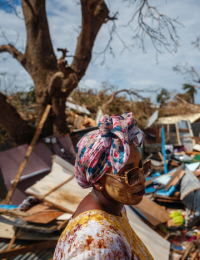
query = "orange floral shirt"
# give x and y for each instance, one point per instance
(97, 235)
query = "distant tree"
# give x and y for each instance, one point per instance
(163, 96)
(190, 91)
(54, 79)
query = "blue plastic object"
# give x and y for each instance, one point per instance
(163, 149)
(149, 178)
(177, 247)
(150, 189)
(156, 174)
(165, 193)
(6, 206)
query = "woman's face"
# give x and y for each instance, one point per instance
(118, 190)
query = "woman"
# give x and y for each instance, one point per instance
(107, 160)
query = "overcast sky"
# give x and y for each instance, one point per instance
(131, 69)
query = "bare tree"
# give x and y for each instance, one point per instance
(54, 79)
(190, 70)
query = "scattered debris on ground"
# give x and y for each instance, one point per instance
(167, 220)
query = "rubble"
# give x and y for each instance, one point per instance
(167, 220)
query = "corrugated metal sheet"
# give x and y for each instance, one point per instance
(38, 255)
(192, 201)
(189, 183)
(172, 119)
(40, 228)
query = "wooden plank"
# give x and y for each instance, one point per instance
(154, 213)
(63, 163)
(166, 199)
(43, 213)
(28, 153)
(191, 132)
(68, 196)
(194, 255)
(188, 250)
(30, 248)
(56, 177)
(7, 231)
(58, 186)
(175, 178)
(43, 217)
(177, 134)
(157, 246)
(14, 212)
(12, 241)
(43, 206)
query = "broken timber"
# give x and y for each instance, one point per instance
(29, 248)
(28, 153)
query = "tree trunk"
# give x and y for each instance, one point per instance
(11, 121)
(53, 83)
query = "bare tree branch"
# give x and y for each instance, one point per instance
(196, 43)
(15, 53)
(160, 23)
(185, 102)
(183, 69)
(128, 91)
(12, 5)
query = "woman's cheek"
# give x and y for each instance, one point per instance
(121, 192)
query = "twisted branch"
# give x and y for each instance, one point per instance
(14, 52)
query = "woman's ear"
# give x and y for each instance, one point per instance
(99, 186)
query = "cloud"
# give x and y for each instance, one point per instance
(131, 69)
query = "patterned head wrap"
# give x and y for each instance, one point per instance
(108, 146)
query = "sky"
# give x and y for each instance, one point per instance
(130, 69)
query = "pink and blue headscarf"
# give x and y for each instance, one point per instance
(108, 146)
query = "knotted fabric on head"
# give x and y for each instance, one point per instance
(108, 146)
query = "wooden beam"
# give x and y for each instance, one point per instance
(12, 241)
(28, 153)
(177, 133)
(58, 186)
(30, 248)
(187, 251)
(194, 255)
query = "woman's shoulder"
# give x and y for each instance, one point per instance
(91, 231)
(97, 217)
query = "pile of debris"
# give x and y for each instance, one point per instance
(167, 220)
(45, 213)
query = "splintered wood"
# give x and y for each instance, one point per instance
(59, 187)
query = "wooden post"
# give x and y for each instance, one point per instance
(187, 251)
(177, 133)
(28, 153)
(12, 241)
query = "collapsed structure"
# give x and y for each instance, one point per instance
(167, 220)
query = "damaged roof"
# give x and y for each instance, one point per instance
(173, 119)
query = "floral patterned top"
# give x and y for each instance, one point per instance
(97, 235)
